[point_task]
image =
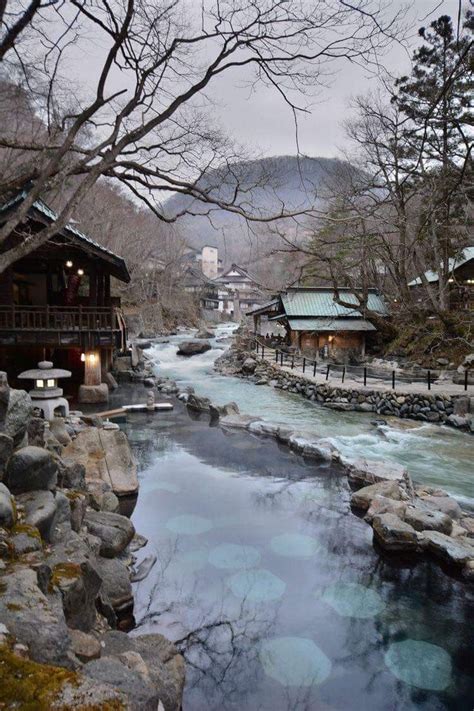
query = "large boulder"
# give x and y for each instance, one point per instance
(85, 646)
(93, 394)
(237, 421)
(456, 551)
(115, 531)
(106, 455)
(71, 474)
(363, 472)
(217, 411)
(321, 450)
(7, 511)
(59, 430)
(79, 586)
(31, 468)
(395, 535)
(6, 449)
(115, 672)
(383, 504)
(35, 618)
(116, 591)
(16, 412)
(165, 665)
(200, 404)
(249, 365)
(363, 498)
(40, 511)
(204, 333)
(426, 519)
(191, 348)
(445, 504)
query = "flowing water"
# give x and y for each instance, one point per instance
(267, 580)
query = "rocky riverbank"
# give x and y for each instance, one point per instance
(66, 570)
(406, 519)
(453, 410)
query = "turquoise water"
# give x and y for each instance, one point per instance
(435, 455)
(271, 586)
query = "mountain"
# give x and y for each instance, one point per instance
(263, 187)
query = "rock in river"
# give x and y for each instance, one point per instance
(393, 534)
(190, 348)
(115, 531)
(362, 498)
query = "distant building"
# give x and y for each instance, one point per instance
(207, 259)
(55, 302)
(237, 291)
(195, 282)
(461, 280)
(316, 324)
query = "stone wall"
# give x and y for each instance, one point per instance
(454, 410)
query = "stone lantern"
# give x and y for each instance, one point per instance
(46, 395)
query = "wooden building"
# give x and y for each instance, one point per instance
(56, 302)
(317, 325)
(237, 292)
(460, 281)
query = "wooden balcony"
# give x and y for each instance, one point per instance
(59, 325)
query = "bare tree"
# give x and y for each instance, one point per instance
(143, 118)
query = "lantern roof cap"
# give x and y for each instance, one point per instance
(45, 371)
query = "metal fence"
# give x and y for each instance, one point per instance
(364, 373)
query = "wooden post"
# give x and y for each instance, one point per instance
(327, 371)
(304, 364)
(263, 352)
(276, 355)
(343, 373)
(465, 378)
(292, 362)
(314, 369)
(92, 368)
(365, 377)
(429, 380)
(393, 380)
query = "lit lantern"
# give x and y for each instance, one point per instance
(46, 395)
(80, 272)
(69, 263)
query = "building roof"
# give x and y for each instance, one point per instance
(269, 306)
(242, 274)
(72, 234)
(330, 324)
(319, 301)
(453, 263)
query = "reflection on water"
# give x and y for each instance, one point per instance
(271, 586)
(434, 455)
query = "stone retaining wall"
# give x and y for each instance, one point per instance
(454, 410)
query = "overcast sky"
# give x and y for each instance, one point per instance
(264, 123)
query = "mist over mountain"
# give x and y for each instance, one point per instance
(264, 188)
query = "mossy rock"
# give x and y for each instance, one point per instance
(29, 686)
(25, 528)
(64, 572)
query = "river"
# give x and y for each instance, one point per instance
(265, 577)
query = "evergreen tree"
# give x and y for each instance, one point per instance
(436, 100)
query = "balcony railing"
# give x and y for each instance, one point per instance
(57, 318)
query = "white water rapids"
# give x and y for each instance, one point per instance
(434, 455)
